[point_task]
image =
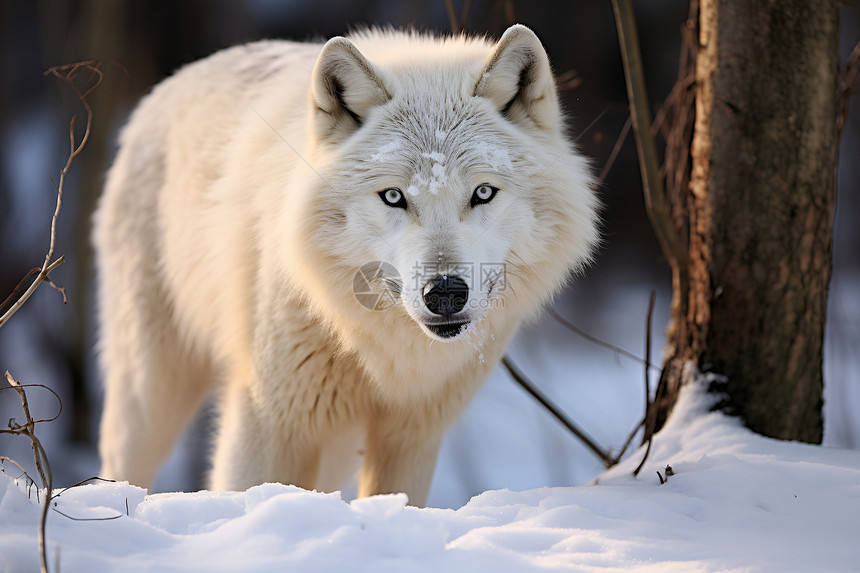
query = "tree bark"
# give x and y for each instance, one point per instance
(761, 203)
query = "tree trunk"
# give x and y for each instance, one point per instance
(761, 202)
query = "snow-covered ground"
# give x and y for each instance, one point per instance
(736, 502)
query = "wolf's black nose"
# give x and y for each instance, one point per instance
(446, 294)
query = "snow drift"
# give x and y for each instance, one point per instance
(736, 502)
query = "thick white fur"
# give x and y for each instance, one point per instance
(245, 196)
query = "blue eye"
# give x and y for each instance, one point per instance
(484, 193)
(393, 197)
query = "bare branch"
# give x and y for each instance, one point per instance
(616, 149)
(464, 14)
(18, 287)
(42, 465)
(49, 389)
(529, 387)
(67, 516)
(508, 6)
(29, 424)
(650, 407)
(665, 199)
(651, 300)
(19, 466)
(68, 73)
(452, 17)
(648, 366)
(651, 419)
(652, 182)
(593, 122)
(576, 330)
(40, 278)
(568, 80)
(83, 482)
(628, 441)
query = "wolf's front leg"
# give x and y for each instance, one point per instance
(400, 453)
(254, 445)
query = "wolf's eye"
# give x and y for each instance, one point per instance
(393, 197)
(484, 193)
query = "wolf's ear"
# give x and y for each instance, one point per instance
(518, 79)
(344, 89)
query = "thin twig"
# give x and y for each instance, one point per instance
(68, 74)
(567, 81)
(591, 338)
(628, 441)
(28, 426)
(42, 465)
(83, 482)
(652, 182)
(39, 421)
(508, 6)
(67, 516)
(651, 420)
(452, 17)
(616, 149)
(28, 480)
(529, 387)
(648, 366)
(18, 287)
(591, 124)
(464, 14)
(651, 300)
(40, 278)
(19, 466)
(645, 457)
(650, 407)
(670, 224)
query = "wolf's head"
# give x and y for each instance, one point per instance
(451, 191)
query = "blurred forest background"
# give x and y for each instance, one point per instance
(49, 343)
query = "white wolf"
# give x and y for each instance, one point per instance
(250, 191)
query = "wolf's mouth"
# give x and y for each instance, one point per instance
(447, 329)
